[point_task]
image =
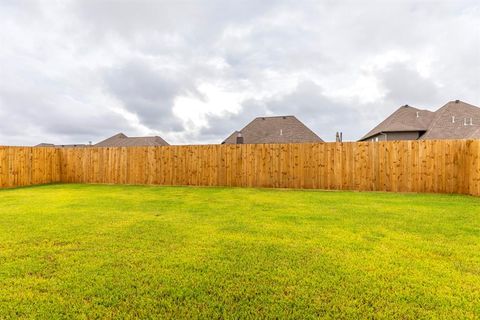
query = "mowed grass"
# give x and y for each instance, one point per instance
(92, 251)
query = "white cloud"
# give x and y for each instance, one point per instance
(74, 71)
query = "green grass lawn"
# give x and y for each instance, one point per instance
(91, 251)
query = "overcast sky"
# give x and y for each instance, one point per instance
(194, 71)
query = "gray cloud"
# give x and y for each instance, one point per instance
(28, 113)
(307, 102)
(222, 125)
(404, 85)
(322, 114)
(75, 71)
(195, 20)
(148, 92)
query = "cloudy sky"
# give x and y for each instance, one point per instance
(194, 71)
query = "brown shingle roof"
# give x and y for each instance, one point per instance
(121, 140)
(405, 118)
(280, 129)
(443, 126)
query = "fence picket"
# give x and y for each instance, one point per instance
(447, 166)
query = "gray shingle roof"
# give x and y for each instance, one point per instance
(452, 121)
(405, 118)
(455, 120)
(121, 140)
(61, 145)
(43, 144)
(280, 129)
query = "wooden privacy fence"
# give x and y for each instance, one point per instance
(443, 166)
(24, 166)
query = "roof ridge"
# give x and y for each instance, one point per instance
(397, 119)
(259, 130)
(145, 137)
(474, 133)
(306, 127)
(439, 129)
(438, 113)
(269, 117)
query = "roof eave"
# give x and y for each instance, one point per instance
(389, 131)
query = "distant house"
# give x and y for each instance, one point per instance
(406, 123)
(62, 145)
(280, 129)
(121, 140)
(455, 120)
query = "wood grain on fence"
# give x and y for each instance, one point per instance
(401, 166)
(442, 166)
(473, 167)
(24, 166)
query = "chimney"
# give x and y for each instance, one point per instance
(457, 101)
(239, 138)
(338, 137)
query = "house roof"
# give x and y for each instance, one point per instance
(405, 118)
(279, 129)
(61, 145)
(452, 121)
(121, 140)
(43, 144)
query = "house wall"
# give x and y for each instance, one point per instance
(394, 136)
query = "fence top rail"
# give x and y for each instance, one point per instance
(257, 144)
(444, 166)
